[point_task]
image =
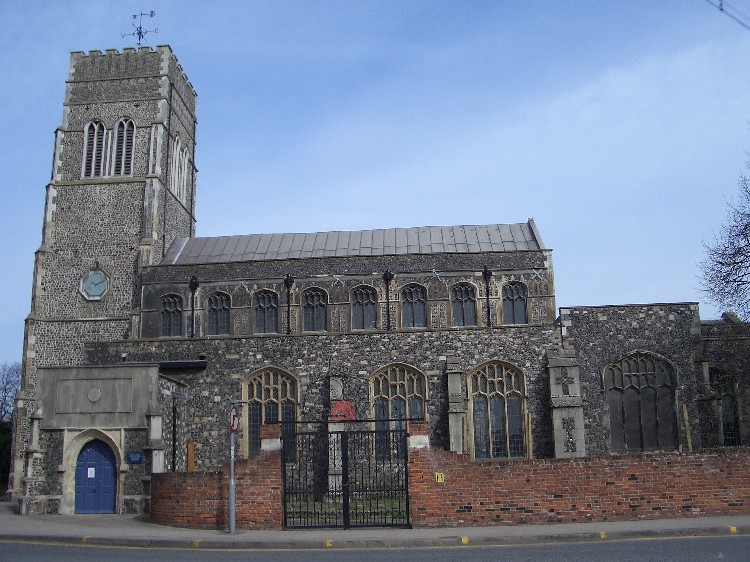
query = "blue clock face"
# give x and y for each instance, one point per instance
(94, 285)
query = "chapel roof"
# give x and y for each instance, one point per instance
(380, 242)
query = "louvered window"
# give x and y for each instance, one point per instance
(122, 160)
(93, 150)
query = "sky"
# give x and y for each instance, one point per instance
(620, 127)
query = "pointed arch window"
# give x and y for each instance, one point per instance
(314, 305)
(93, 149)
(122, 159)
(641, 396)
(414, 307)
(171, 316)
(272, 398)
(266, 312)
(498, 406)
(179, 170)
(218, 306)
(364, 308)
(464, 302)
(514, 303)
(725, 385)
(398, 394)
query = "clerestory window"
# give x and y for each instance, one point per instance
(171, 316)
(266, 312)
(218, 308)
(364, 308)
(414, 307)
(314, 304)
(464, 303)
(514, 304)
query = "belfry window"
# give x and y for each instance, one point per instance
(179, 170)
(364, 308)
(398, 394)
(93, 150)
(414, 307)
(122, 159)
(272, 398)
(218, 307)
(171, 316)
(464, 305)
(514, 303)
(640, 392)
(314, 303)
(498, 405)
(266, 312)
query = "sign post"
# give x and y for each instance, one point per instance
(234, 424)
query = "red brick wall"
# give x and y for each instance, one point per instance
(200, 499)
(605, 488)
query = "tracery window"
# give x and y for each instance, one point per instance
(266, 312)
(498, 406)
(218, 307)
(171, 315)
(464, 305)
(725, 385)
(514, 303)
(641, 395)
(93, 150)
(272, 398)
(398, 394)
(364, 308)
(122, 159)
(414, 307)
(314, 304)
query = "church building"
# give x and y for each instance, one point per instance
(143, 336)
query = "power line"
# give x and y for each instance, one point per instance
(731, 12)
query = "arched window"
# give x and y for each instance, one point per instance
(413, 307)
(398, 394)
(464, 305)
(640, 391)
(725, 385)
(498, 405)
(122, 159)
(171, 315)
(266, 312)
(179, 170)
(93, 150)
(218, 306)
(364, 308)
(514, 304)
(314, 303)
(272, 398)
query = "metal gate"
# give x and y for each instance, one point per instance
(352, 476)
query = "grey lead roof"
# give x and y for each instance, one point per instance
(382, 242)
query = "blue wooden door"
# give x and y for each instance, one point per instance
(95, 479)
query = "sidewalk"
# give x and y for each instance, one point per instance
(137, 531)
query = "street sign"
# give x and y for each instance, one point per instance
(234, 419)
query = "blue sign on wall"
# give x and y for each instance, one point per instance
(135, 457)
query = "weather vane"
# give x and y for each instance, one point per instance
(139, 31)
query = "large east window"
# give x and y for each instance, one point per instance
(498, 411)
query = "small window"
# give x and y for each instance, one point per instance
(272, 398)
(93, 150)
(218, 307)
(364, 308)
(414, 307)
(398, 394)
(464, 305)
(122, 160)
(498, 405)
(514, 304)
(266, 312)
(314, 303)
(171, 316)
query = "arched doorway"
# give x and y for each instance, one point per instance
(96, 489)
